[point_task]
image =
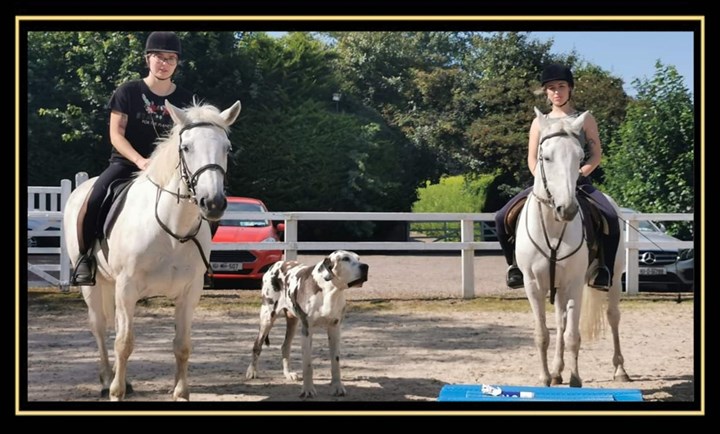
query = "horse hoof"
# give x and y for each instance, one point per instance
(575, 382)
(128, 389)
(556, 381)
(104, 393)
(623, 378)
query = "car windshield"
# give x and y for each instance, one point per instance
(244, 207)
(643, 225)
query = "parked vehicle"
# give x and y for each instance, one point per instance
(662, 268)
(234, 266)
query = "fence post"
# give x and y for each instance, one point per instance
(65, 190)
(80, 177)
(291, 234)
(632, 269)
(467, 235)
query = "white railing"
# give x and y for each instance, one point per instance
(467, 244)
(46, 204)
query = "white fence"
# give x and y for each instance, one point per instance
(467, 245)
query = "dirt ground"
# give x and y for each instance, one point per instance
(407, 333)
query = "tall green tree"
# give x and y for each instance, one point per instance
(651, 167)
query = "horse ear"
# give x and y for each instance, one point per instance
(540, 117)
(177, 115)
(231, 114)
(578, 123)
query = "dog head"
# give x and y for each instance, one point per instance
(346, 267)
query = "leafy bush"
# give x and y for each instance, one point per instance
(454, 194)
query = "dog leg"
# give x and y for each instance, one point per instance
(292, 323)
(308, 388)
(266, 322)
(336, 385)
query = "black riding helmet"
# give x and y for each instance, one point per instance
(163, 41)
(557, 72)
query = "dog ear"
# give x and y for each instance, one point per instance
(326, 269)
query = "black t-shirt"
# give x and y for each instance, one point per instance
(147, 117)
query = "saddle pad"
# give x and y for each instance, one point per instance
(472, 392)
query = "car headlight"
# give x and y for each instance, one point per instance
(686, 254)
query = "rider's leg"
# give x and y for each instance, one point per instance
(84, 273)
(609, 240)
(514, 277)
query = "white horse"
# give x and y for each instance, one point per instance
(146, 253)
(552, 253)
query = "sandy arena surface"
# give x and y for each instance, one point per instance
(407, 333)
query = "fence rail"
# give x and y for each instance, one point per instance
(467, 244)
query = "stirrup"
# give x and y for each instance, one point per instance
(601, 278)
(84, 272)
(514, 277)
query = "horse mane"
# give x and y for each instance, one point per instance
(165, 158)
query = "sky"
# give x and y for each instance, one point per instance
(628, 55)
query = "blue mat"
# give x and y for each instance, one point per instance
(473, 392)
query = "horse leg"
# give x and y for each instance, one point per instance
(542, 335)
(572, 339)
(98, 325)
(613, 316)
(182, 346)
(561, 321)
(124, 341)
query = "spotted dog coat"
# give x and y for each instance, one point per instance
(314, 296)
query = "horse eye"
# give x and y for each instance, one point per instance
(346, 259)
(185, 148)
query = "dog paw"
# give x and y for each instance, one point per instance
(250, 373)
(308, 392)
(292, 376)
(337, 389)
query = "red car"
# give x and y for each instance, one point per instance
(246, 265)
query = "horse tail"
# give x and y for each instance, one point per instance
(592, 318)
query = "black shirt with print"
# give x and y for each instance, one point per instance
(147, 117)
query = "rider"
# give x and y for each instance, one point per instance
(137, 119)
(557, 83)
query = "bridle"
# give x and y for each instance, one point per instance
(190, 180)
(549, 201)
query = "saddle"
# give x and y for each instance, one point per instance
(593, 220)
(112, 205)
(109, 209)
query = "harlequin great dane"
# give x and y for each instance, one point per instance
(314, 296)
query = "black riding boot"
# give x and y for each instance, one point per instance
(84, 274)
(514, 277)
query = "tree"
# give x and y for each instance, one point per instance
(651, 164)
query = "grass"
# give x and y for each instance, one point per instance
(52, 300)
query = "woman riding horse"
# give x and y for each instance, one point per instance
(558, 83)
(138, 118)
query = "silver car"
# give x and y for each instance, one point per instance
(662, 269)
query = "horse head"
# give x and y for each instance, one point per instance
(557, 170)
(203, 147)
